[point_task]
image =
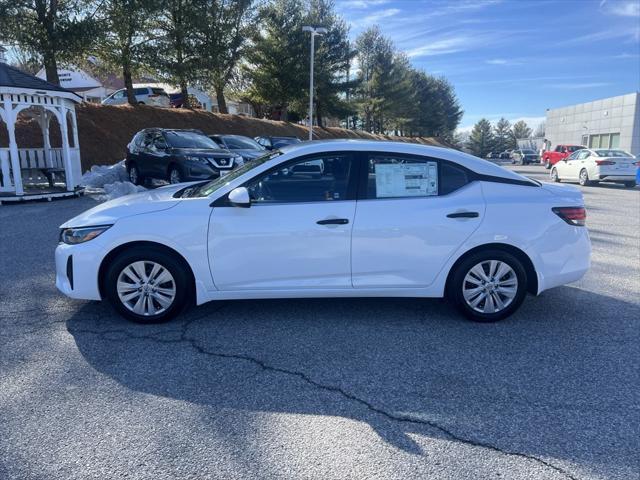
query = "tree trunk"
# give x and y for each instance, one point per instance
(222, 103)
(284, 113)
(51, 66)
(185, 94)
(128, 83)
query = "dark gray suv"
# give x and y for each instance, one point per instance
(176, 156)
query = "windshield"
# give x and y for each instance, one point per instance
(574, 148)
(241, 143)
(528, 151)
(178, 139)
(206, 189)
(613, 153)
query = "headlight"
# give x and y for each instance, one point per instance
(238, 161)
(73, 236)
(196, 159)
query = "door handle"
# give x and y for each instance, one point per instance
(463, 215)
(333, 221)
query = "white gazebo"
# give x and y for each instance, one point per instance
(23, 169)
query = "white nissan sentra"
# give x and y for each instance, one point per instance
(382, 219)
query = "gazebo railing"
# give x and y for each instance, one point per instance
(34, 162)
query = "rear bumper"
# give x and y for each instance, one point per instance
(615, 177)
(567, 262)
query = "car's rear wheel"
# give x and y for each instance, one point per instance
(547, 165)
(134, 175)
(147, 285)
(629, 184)
(488, 285)
(554, 175)
(175, 176)
(584, 178)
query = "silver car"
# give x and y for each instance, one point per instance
(154, 96)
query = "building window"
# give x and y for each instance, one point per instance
(604, 140)
(615, 140)
(585, 140)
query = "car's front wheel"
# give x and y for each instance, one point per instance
(488, 285)
(175, 176)
(134, 175)
(147, 285)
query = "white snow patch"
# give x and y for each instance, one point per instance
(106, 182)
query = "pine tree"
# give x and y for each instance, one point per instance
(503, 139)
(481, 139)
(520, 130)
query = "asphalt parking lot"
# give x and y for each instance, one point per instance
(348, 388)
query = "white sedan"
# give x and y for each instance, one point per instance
(384, 219)
(589, 166)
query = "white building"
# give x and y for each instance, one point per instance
(81, 83)
(609, 123)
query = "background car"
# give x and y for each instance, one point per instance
(273, 143)
(492, 156)
(588, 166)
(506, 155)
(154, 96)
(551, 157)
(524, 156)
(176, 156)
(247, 147)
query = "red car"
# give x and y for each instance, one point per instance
(560, 153)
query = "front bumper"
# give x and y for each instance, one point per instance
(77, 270)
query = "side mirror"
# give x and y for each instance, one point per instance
(160, 145)
(239, 197)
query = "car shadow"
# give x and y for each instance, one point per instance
(550, 382)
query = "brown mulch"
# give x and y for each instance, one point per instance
(104, 131)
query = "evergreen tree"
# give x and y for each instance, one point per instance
(126, 25)
(503, 139)
(223, 27)
(55, 30)
(520, 130)
(481, 139)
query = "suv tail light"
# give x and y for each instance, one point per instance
(576, 216)
(605, 162)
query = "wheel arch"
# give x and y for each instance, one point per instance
(102, 270)
(532, 276)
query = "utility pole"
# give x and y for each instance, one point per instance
(314, 31)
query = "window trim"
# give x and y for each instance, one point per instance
(471, 175)
(352, 184)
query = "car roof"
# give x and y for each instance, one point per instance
(475, 164)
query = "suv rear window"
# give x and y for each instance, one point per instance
(140, 91)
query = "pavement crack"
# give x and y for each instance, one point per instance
(185, 339)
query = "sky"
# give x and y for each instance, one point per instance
(513, 58)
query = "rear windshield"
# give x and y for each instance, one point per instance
(189, 140)
(613, 153)
(281, 142)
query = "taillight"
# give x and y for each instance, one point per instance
(572, 215)
(605, 162)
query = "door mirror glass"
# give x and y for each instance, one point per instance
(239, 197)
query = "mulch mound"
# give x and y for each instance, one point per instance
(104, 131)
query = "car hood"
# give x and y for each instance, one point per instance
(202, 152)
(109, 212)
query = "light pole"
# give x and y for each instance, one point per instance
(314, 31)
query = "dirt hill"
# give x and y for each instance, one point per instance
(104, 131)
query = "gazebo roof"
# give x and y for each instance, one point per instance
(11, 77)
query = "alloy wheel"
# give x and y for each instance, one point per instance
(174, 176)
(146, 288)
(490, 286)
(133, 175)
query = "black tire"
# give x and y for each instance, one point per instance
(554, 176)
(176, 267)
(629, 184)
(583, 178)
(137, 178)
(457, 280)
(140, 103)
(174, 175)
(547, 165)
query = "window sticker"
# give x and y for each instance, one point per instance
(406, 179)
